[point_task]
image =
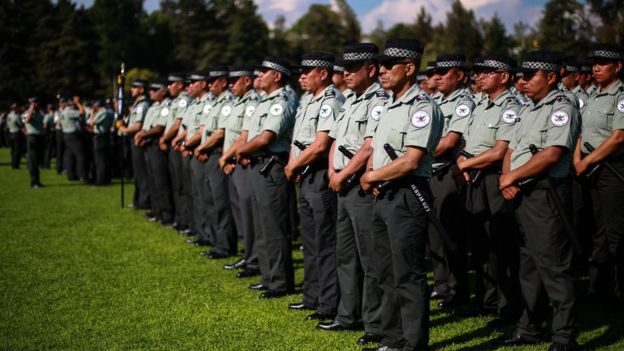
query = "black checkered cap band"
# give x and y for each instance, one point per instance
(449, 64)
(276, 67)
(236, 74)
(399, 53)
(174, 78)
(316, 63)
(546, 66)
(338, 68)
(611, 55)
(586, 68)
(571, 68)
(358, 56)
(196, 77)
(219, 73)
(494, 64)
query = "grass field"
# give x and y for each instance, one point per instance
(79, 273)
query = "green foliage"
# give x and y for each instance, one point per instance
(79, 273)
(496, 40)
(560, 26)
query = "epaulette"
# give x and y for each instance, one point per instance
(514, 99)
(342, 110)
(422, 97)
(622, 88)
(561, 98)
(283, 94)
(330, 93)
(381, 94)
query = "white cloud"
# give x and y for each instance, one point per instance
(290, 9)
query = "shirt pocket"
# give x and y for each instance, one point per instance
(396, 139)
(308, 127)
(606, 116)
(491, 131)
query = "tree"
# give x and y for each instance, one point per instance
(352, 30)
(462, 33)
(242, 47)
(320, 29)
(423, 28)
(496, 40)
(559, 28)
(611, 14)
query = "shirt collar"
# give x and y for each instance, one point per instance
(409, 95)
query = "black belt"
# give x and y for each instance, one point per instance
(261, 159)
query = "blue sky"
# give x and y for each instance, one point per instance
(390, 12)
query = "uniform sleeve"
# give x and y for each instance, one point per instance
(141, 115)
(618, 116)
(461, 115)
(420, 126)
(276, 120)
(375, 110)
(163, 115)
(562, 128)
(507, 121)
(328, 113)
(99, 117)
(225, 114)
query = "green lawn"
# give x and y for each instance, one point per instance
(79, 273)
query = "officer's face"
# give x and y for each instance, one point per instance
(303, 83)
(218, 86)
(175, 88)
(338, 78)
(537, 84)
(196, 88)
(136, 91)
(606, 71)
(394, 74)
(492, 81)
(357, 75)
(267, 78)
(315, 78)
(570, 79)
(240, 86)
(449, 80)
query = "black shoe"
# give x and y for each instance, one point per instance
(573, 346)
(241, 263)
(258, 286)
(217, 255)
(320, 316)
(499, 322)
(517, 340)
(368, 338)
(248, 272)
(438, 296)
(272, 294)
(202, 243)
(453, 302)
(300, 306)
(335, 326)
(150, 216)
(475, 311)
(186, 232)
(381, 348)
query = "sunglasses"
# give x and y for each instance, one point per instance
(393, 62)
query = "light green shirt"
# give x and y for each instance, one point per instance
(221, 109)
(35, 125)
(492, 121)
(193, 114)
(318, 114)
(15, 122)
(456, 108)
(138, 111)
(276, 113)
(48, 121)
(414, 120)
(177, 108)
(102, 121)
(157, 114)
(553, 121)
(581, 96)
(70, 120)
(357, 120)
(604, 114)
(242, 111)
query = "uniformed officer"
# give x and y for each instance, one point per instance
(317, 203)
(15, 125)
(156, 160)
(50, 135)
(199, 90)
(587, 78)
(182, 199)
(411, 124)
(141, 198)
(270, 130)
(570, 79)
(489, 219)
(430, 86)
(71, 123)
(518, 88)
(353, 130)
(33, 122)
(603, 129)
(211, 127)
(450, 268)
(241, 80)
(100, 121)
(339, 80)
(550, 122)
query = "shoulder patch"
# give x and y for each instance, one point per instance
(226, 110)
(139, 109)
(250, 110)
(620, 105)
(559, 118)
(207, 108)
(509, 116)
(462, 110)
(421, 119)
(376, 112)
(276, 109)
(581, 103)
(381, 94)
(164, 112)
(330, 93)
(182, 103)
(325, 111)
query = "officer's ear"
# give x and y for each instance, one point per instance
(618, 67)
(506, 78)
(411, 69)
(371, 70)
(277, 76)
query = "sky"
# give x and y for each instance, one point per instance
(389, 12)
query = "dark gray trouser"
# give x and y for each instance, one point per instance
(75, 156)
(16, 155)
(200, 211)
(607, 268)
(50, 148)
(273, 237)
(317, 213)
(141, 190)
(450, 272)
(545, 262)
(101, 158)
(158, 168)
(359, 286)
(493, 242)
(399, 239)
(219, 210)
(60, 152)
(187, 211)
(175, 171)
(242, 211)
(34, 145)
